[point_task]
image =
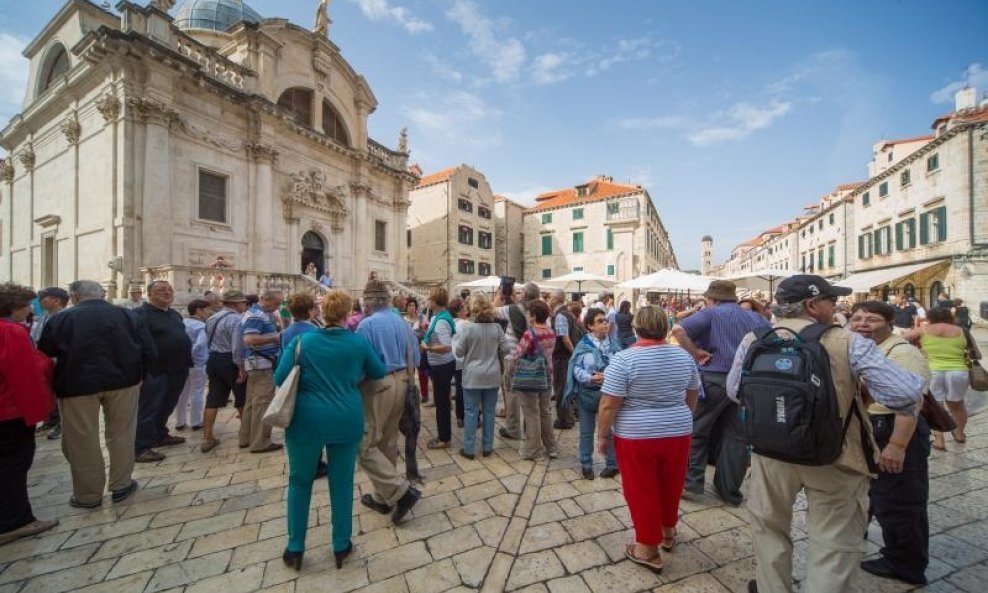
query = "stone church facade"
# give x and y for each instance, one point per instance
(205, 145)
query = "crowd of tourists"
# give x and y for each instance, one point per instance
(658, 393)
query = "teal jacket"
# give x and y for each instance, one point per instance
(586, 360)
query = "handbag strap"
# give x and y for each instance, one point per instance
(298, 349)
(973, 352)
(535, 341)
(408, 360)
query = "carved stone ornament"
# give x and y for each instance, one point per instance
(262, 152)
(6, 170)
(72, 129)
(309, 189)
(27, 157)
(152, 110)
(163, 5)
(109, 107)
(205, 134)
(321, 27)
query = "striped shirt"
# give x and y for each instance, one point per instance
(546, 338)
(719, 330)
(221, 330)
(442, 335)
(653, 381)
(888, 383)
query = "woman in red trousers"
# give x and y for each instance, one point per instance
(649, 393)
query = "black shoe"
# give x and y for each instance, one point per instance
(341, 556)
(122, 494)
(75, 502)
(56, 433)
(504, 433)
(169, 441)
(405, 504)
(588, 473)
(694, 490)
(321, 470)
(752, 586)
(560, 425)
(488, 452)
(196, 427)
(728, 500)
(466, 455)
(293, 559)
(880, 568)
(149, 456)
(180, 427)
(609, 472)
(368, 501)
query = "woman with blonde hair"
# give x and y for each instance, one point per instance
(649, 393)
(329, 414)
(481, 344)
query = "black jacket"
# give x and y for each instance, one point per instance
(97, 347)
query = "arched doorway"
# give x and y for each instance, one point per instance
(314, 252)
(909, 290)
(935, 289)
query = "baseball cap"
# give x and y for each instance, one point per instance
(807, 286)
(233, 296)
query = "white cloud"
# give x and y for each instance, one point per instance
(631, 50)
(456, 118)
(13, 75)
(975, 76)
(443, 69)
(549, 68)
(381, 10)
(505, 57)
(739, 122)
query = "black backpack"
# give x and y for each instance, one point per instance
(789, 404)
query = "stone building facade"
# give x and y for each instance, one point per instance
(451, 228)
(205, 145)
(601, 227)
(509, 237)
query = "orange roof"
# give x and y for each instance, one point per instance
(850, 186)
(437, 177)
(974, 115)
(597, 190)
(776, 230)
(907, 140)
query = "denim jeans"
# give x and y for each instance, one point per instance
(588, 425)
(475, 400)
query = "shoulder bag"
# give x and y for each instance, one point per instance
(531, 370)
(936, 416)
(411, 419)
(282, 407)
(977, 375)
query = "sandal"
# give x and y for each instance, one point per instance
(668, 543)
(437, 444)
(962, 439)
(939, 447)
(653, 563)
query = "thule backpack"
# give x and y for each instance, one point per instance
(789, 404)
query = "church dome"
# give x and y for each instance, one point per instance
(214, 15)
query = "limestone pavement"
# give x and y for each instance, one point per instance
(216, 522)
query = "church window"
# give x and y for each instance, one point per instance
(484, 269)
(380, 235)
(212, 196)
(332, 124)
(299, 102)
(57, 65)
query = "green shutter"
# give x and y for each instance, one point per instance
(861, 247)
(924, 228)
(876, 242)
(941, 213)
(819, 259)
(610, 239)
(577, 242)
(899, 244)
(911, 223)
(546, 244)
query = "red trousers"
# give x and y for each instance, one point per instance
(652, 473)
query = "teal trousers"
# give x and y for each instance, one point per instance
(303, 457)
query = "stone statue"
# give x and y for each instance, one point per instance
(163, 5)
(322, 18)
(403, 140)
(311, 271)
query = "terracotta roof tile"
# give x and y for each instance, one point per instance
(906, 140)
(437, 177)
(597, 190)
(850, 186)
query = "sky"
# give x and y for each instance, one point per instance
(733, 115)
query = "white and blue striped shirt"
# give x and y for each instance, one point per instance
(653, 381)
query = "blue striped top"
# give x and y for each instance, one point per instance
(719, 330)
(653, 381)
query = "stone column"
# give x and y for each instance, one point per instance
(155, 213)
(262, 157)
(362, 229)
(7, 177)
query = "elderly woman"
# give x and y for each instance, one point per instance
(650, 392)
(329, 413)
(437, 343)
(586, 375)
(945, 346)
(25, 400)
(480, 344)
(536, 408)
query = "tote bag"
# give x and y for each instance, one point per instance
(282, 407)
(532, 370)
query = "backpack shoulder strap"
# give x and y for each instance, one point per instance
(814, 332)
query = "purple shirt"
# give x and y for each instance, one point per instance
(719, 330)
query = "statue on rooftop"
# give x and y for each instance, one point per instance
(163, 5)
(403, 140)
(322, 18)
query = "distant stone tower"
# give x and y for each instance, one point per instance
(706, 254)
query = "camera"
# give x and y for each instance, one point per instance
(507, 285)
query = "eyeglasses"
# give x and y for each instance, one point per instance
(604, 321)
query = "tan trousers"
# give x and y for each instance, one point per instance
(384, 402)
(80, 440)
(260, 391)
(512, 405)
(836, 518)
(536, 409)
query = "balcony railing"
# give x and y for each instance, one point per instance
(392, 159)
(623, 212)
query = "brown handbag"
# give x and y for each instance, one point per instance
(936, 415)
(977, 375)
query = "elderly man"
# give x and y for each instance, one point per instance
(166, 376)
(262, 346)
(52, 300)
(712, 336)
(568, 334)
(101, 352)
(508, 309)
(384, 402)
(135, 297)
(836, 493)
(222, 370)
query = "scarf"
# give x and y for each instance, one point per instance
(443, 315)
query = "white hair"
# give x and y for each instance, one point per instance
(84, 290)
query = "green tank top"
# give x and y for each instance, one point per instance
(945, 354)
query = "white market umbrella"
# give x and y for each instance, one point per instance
(578, 279)
(490, 283)
(669, 280)
(763, 280)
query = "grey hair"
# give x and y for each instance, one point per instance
(531, 292)
(84, 290)
(558, 293)
(375, 304)
(272, 293)
(789, 310)
(153, 282)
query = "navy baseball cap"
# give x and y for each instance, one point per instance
(807, 286)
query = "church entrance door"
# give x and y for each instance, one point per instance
(313, 252)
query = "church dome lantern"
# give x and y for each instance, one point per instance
(213, 15)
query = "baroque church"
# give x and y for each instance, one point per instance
(203, 144)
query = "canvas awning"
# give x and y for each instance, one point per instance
(865, 281)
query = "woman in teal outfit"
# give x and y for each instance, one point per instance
(329, 413)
